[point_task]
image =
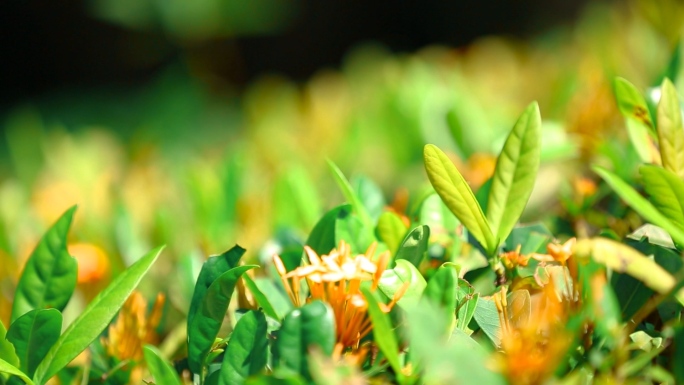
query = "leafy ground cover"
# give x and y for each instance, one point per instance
(481, 237)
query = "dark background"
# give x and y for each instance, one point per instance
(48, 45)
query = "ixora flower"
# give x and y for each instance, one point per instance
(556, 252)
(336, 279)
(133, 328)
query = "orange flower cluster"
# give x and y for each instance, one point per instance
(336, 279)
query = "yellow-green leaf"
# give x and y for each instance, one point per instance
(670, 129)
(666, 191)
(6, 367)
(515, 173)
(625, 259)
(458, 196)
(391, 230)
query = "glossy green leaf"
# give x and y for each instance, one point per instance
(487, 318)
(393, 279)
(351, 229)
(458, 196)
(666, 191)
(260, 298)
(678, 353)
(276, 296)
(350, 194)
(247, 350)
(441, 290)
(49, 277)
(160, 369)
(303, 328)
(94, 318)
(204, 328)
(322, 237)
(383, 333)
(515, 173)
(6, 367)
(466, 304)
(625, 259)
(212, 268)
(640, 204)
(391, 230)
(670, 129)
(33, 334)
(7, 352)
(369, 194)
(414, 247)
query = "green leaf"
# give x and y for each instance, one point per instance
(212, 268)
(303, 328)
(160, 369)
(640, 127)
(391, 230)
(205, 325)
(7, 352)
(247, 350)
(487, 317)
(322, 237)
(350, 194)
(458, 196)
(94, 319)
(640, 204)
(670, 129)
(466, 304)
(369, 194)
(625, 259)
(382, 331)
(515, 173)
(441, 290)
(33, 334)
(6, 367)
(666, 191)
(260, 298)
(415, 245)
(349, 228)
(276, 296)
(393, 279)
(678, 353)
(49, 277)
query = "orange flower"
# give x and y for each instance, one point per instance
(133, 328)
(556, 252)
(336, 279)
(93, 264)
(512, 259)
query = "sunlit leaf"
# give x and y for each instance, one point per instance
(391, 230)
(6, 367)
(350, 194)
(49, 277)
(160, 369)
(7, 352)
(515, 173)
(247, 350)
(260, 298)
(415, 245)
(640, 204)
(458, 196)
(393, 279)
(351, 229)
(666, 191)
(487, 318)
(640, 127)
(670, 129)
(94, 319)
(322, 237)
(33, 334)
(382, 331)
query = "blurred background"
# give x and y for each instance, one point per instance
(201, 124)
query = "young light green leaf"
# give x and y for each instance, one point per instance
(351, 229)
(632, 104)
(487, 317)
(457, 196)
(247, 350)
(7, 352)
(640, 204)
(415, 245)
(161, 370)
(391, 230)
(441, 291)
(260, 298)
(212, 268)
(32, 336)
(305, 327)
(393, 279)
(350, 195)
(49, 277)
(666, 190)
(204, 328)
(322, 237)
(6, 367)
(515, 173)
(625, 259)
(670, 129)
(382, 331)
(94, 319)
